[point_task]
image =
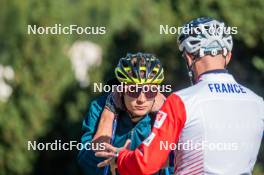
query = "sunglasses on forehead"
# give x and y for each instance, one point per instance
(134, 91)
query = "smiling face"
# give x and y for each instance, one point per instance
(139, 106)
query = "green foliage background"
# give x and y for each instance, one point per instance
(47, 102)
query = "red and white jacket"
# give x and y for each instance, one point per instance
(217, 125)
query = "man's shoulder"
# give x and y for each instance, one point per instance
(191, 92)
(186, 95)
(252, 93)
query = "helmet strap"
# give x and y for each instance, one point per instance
(152, 104)
(190, 68)
(225, 62)
(224, 55)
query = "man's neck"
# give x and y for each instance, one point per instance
(214, 71)
(209, 63)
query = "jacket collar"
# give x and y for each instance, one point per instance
(216, 75)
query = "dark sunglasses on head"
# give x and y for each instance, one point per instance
(135, 91)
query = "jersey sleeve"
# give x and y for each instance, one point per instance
(262, 113)
(150, 156)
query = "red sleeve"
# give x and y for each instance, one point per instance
(150, 156)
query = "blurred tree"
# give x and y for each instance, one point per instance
(48, 104)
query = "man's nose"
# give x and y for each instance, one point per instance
(141, 98)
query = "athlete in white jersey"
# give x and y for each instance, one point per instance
(217, 123)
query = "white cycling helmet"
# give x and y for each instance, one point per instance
(205, 36)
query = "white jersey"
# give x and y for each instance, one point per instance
(223, 128)
(217, 126)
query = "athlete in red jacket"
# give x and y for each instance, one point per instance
(217, 123)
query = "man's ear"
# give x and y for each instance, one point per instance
(228, 57)
(189, 58)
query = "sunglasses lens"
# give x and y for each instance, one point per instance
(150, 94)
(133, 94)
